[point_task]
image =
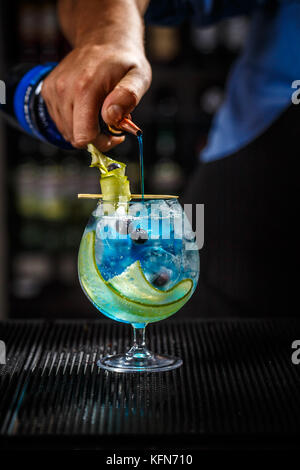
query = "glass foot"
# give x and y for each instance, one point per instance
(144, 363)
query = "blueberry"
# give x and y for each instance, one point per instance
(160, 279)
(139, 236)
(113, 166)
(123, 226)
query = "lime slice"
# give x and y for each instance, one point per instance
(133, 301)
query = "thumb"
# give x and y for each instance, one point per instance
(125, 96)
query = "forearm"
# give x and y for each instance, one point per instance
(102, 21)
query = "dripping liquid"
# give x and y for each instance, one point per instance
(140, 141)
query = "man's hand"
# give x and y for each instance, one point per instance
(107, 69)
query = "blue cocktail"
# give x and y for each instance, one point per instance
(138, 263)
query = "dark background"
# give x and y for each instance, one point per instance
(41, 219)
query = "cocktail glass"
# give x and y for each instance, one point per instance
(138, 263)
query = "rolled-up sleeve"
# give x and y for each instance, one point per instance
(202, 12)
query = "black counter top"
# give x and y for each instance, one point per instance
(237, 387)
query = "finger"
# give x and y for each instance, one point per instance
(85, 118)
(105, 143)
(60, 111)
(66, 119)
(58, 119)
(125, 96)
(62, 121)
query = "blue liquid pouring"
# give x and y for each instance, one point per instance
(140, 141)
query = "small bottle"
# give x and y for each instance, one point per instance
(26, 108)
(163, 43)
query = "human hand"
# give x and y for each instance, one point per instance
(106, 71)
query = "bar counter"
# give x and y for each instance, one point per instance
(237, 388)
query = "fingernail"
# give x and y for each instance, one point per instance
(115, 112)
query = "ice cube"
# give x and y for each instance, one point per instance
(157, 260)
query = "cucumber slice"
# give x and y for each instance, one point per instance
(133, 284)
(133, 301)
(114, 183)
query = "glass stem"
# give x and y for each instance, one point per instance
(139, 349)
(139, 338)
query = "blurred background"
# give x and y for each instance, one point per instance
(41, 219)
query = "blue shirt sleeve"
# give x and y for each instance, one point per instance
(202, 12)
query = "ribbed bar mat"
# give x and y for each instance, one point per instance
(237, 380)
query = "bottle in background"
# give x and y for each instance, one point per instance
(205, 39)
(167, 172)
(28, 31)
(233, 34)
(49, 33)
(163, 43)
